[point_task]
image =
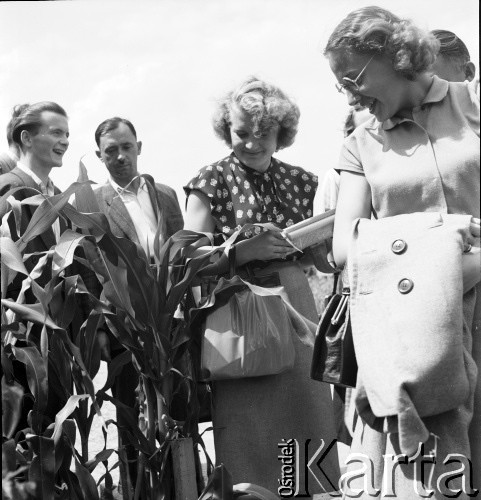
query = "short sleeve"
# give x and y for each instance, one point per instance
(308, 184)
(329, 190)
(207, 181)
(296, 189)
(349, 159)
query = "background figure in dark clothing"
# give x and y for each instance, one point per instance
(9, 158)
(41, 133)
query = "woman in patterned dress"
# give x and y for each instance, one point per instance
(252, 417)
(419, 152)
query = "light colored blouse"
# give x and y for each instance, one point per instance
(429, 163)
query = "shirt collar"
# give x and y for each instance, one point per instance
(123, 190)
(436, 93)
(30, 173)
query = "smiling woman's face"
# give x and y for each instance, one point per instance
(380, 88)
(254, 150)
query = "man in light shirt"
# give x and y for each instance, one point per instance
(135, 207)
(134, 204)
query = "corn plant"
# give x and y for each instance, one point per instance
(151, 311)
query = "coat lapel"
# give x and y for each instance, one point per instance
(156, 200)
(26, 179)
(48, 236)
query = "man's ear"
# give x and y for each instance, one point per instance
(470, 71)
(139, 147)
(26, 138)
(99, 156)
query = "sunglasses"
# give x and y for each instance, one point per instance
(350, 84)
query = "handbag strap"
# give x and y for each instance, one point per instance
(231, 257)
(335, 282)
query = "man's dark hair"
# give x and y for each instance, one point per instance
(451, 45)
(30, 118)
(111, 124)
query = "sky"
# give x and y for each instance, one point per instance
(162, 64)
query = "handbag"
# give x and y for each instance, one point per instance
(249, 334)
(334, 359)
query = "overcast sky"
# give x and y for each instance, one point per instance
(163, 63)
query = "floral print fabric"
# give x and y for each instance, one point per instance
(283, 195)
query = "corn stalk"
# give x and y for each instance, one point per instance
(150, 311)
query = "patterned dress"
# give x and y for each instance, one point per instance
(239, 195)
(252, 416)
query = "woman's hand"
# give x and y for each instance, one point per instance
(268, 245)
(472, 257)
(475, 230)
(471, 268)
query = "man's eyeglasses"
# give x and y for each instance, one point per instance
(349, 84)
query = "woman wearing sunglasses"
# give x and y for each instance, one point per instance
(419, 152)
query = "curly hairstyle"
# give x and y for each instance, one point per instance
(374, 30)
(30, 118)
(267, 104)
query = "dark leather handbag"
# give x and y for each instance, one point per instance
(334, 359)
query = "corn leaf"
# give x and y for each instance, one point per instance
(112, 276)
(37, 377)
(85, 199)
(87, 482)
(86, 380)
(143, 298)
(11, 263)
(88, 344)
(17, 216)
(64, 413)
(74, 490)
(64, 250)
(9, 461)
(63, 302)
(45, 215)
(94, 223)
(9, 197)
(39, 268)
(102, 456)
(31, 312)
(142, 287)
(42, 468)
(33, 201)
(64, 446)
(11, 257)
(12, 395)
(60, 368)
(115, 367)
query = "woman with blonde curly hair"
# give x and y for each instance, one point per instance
(418, 153)
(253, 416)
